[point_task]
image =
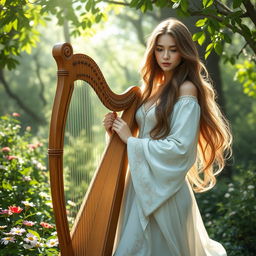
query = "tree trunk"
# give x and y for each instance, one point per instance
(18, 101)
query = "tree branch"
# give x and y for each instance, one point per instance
(116, 2)
(235, 29)
(241, 50)
(18, 100)
(250, 10)
(41, 83)
(137, 23)
(224, 7)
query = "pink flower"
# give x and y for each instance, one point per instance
(28, 223)
(46, 225)
(15, 114)
(11, 157)
(28, 128)
(7, 212)
(15, 209)
(6, 149)
(32, 146)
(39, 144)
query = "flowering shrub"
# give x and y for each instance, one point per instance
(229, 213)
(26, 217)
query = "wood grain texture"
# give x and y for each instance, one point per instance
(95, 225)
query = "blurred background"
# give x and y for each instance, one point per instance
(114, 34)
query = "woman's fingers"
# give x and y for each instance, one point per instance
(108, 121)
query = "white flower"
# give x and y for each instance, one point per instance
(17, 231)
(230, 184)
(43, 194)
(38, 244)
(30, 238)
(250, 187)
(227, 195)
(16, 127)
(7, 240)
(26, 178)
(71, 203)
(209, 223)
(26, 203)
(207, 215)
(3, 227)
(2, 134)
(52, 242)
(54, 233)
(40, 166)
(21, 161)
(28, 246)
(3, 167)
(49, 204)
(231, 189)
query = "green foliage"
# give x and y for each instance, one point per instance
(218, 22)
(25, 205)
(246, 74)
(19, 21)
(229, 213)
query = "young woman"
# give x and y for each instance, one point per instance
(182, 144)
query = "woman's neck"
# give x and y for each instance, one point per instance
(167, 77)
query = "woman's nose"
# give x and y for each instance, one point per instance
(166, 55)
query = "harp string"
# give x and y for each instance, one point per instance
(83, 147)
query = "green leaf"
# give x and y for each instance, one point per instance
(218, 47)
(209, 47)
(15, 24)
(176, 5)
(161, 3)
(184, 5)
(197, 35)
(88, 6)
(237, 3)
(18, 222)
(34, 233)
(133, 3)
(143, 8)
(207, 3)
(201, 39)
(201, 22)
(246, 30)
(6, 185)
(227, 38)
(207, 54)
(98, 18)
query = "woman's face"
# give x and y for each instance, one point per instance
(167, 55)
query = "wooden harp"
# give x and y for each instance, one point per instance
(94, 229)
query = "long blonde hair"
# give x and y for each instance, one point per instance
(214, 142)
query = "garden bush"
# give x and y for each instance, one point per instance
(26, 217)
(229, 212)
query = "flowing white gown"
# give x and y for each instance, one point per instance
(159, 215)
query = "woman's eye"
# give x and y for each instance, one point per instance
(159, 49)
(173, 50)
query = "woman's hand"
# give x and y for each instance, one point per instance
(108, 122)
(122, 129)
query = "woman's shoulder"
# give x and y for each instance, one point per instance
(187, 88)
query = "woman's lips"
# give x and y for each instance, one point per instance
(166, 64)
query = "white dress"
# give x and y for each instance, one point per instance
(159, 214)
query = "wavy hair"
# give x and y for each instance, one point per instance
(214, 141)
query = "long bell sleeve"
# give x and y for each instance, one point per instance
(158, 167)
